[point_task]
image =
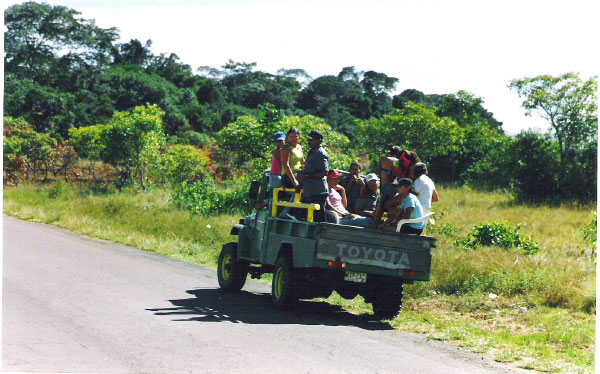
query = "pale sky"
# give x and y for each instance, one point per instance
(435, 46)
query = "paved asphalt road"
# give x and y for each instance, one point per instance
(75, 304)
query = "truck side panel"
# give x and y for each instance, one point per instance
(298, 235)
(251, 237)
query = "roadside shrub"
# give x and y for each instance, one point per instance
(203, 198)
(14, 169)
(60, 188)
(180, 164)
(499, 234)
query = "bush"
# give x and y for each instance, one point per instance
(180, 164)
(203, 198)
(499, 234)
(195, 138)
(60, 188)
(14, 169)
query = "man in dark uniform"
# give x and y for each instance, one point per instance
(313, 177)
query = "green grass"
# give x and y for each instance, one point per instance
(142, 220)
(542, 317)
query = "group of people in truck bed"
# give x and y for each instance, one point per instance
(399, 185)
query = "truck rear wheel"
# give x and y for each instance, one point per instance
(283, 290)
(231, 272)
(387, 302)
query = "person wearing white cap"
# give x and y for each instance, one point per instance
(366, 205)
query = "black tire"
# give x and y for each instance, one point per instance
(283, 292)
(387, 302)
(231, 272)
(347, 292)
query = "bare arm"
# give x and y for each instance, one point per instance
(330, 207)
(365, 213)
(342, 192)
(285, 162)
(434, 197)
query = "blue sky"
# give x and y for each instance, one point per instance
(434, 46)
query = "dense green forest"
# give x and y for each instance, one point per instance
(71, 90)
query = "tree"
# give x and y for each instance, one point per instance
(415, 128)
(180, 164)
(132, 139)
(534, 176)
(568, 103)
(467, 110)
(416, 96)
(89, 144)
(336, 100)
(172, 70)
(250, 139)
(299, 75)
(39, 34)
(35, 148)
(132, 53)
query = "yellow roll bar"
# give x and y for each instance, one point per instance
(296, 204)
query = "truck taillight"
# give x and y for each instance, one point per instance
(410, 273)
(336, 265)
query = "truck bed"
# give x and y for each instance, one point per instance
(366, 250)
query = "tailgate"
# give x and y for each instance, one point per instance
(375, 248)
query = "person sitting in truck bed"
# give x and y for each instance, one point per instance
(336, 203)
(423, 185)
(394, 165)
(354, 185)
(312, 177)
(405, 205)
(366, 205)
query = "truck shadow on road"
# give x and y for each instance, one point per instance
(215, 305)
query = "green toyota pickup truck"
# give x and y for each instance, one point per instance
(312, 259)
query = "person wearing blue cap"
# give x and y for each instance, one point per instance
(275, 175)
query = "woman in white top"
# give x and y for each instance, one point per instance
(423, 185)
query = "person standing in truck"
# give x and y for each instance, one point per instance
(275, 174)
(292, 158)
(313, 177)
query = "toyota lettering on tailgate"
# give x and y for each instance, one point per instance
(364, 254)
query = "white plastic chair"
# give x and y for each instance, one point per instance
(425, 219)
